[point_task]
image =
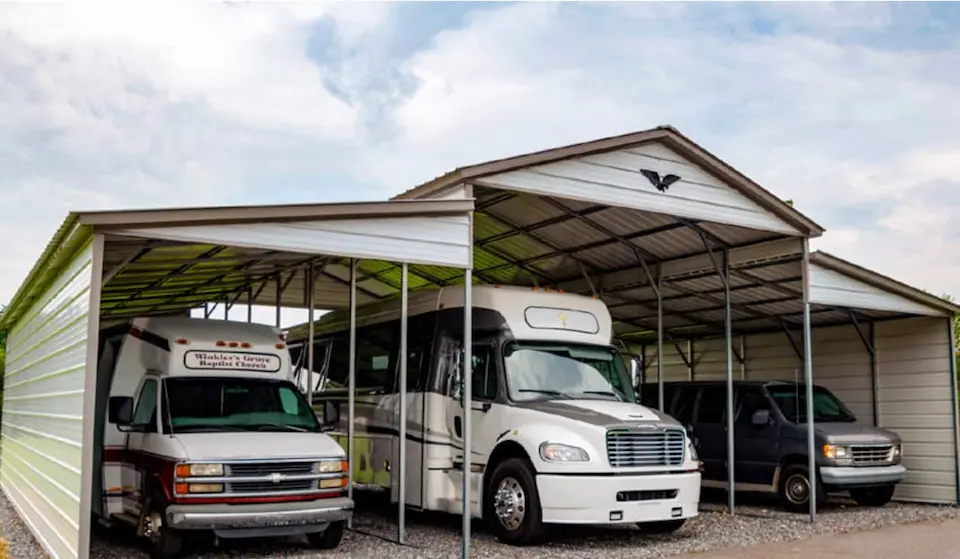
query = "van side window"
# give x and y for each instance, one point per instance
(752, 400)
(146, 411)
(713, 402)
(683, 406)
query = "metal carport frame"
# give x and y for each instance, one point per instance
(156, 262)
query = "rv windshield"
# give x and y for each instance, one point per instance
(538, 370)
(221, 404)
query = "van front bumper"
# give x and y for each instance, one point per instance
(259, 515)
(605, 499)
(858, 476)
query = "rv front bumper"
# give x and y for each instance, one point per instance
(261, 515)
(586, 499)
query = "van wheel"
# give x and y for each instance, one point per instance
(874, 496)
(165, 543)
(512, 504)
(794, 490)
(662, 527)
(329, 538)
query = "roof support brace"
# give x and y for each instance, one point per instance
(869, 339)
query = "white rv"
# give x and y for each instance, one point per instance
(199, 428)
(558, 435)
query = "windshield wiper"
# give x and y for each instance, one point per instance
(547, 393)
(266, 426)
(604, 393)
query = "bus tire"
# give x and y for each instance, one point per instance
(512, 504)
(165, 543)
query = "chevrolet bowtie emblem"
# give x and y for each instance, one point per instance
(276, 477)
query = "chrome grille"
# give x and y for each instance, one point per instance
(635, 448)
(867, 455)
(251, 478)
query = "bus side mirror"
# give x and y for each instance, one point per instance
(331, 416)
(635, 373)
(120, 412)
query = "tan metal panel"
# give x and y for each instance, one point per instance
(41, 460)
(916, 401)
(828, 287)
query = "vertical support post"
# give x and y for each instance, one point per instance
(279, 296)
(250, 306)
(308, 283)
(402, 428)
(728, 346)
(693, 360)
(659, 341)
(808, 383)
(352, 379)
(875, 374)
(955, 406)
(690, 360)
(743, 358)
(226, 308)
(88, 487)
(467, 409)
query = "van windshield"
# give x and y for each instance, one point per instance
(539, 370)
(221, 404)
(827, 408)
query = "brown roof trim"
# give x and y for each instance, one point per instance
(141, 219)
(666, 134)
(881, 281)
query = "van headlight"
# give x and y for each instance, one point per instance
(199, 470)
(555, 452)
(837, 454)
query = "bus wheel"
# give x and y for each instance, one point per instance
(165, 543)
(512, 504)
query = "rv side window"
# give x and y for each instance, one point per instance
(146, 411)
(484, 379)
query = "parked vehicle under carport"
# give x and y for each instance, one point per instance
(770, 441)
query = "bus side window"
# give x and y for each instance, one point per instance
(484, 376)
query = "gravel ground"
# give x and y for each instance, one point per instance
(436, 536)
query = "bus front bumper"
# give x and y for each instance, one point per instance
(227, 517)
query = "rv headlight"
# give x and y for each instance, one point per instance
(555, 452)
(840, 455)
(199, 470)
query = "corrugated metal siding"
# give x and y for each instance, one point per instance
(614, 178)
(916, 401)
(443, 241)
(828, 287)
(40, 465)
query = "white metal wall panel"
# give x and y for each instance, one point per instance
(841, 363)
(828, 287)
(441, 241)
(40, 461)
(916, 401)
(614, 178)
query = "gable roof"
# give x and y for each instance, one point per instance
(666, 135)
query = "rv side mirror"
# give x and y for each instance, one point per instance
(761, 418)
(120, 411)
(331, 416)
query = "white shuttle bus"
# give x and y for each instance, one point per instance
(558, 435)
(199, 428)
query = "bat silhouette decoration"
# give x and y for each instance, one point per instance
(661, 184)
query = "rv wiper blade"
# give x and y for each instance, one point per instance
(604, 393)
(547, 393)
(266, 426)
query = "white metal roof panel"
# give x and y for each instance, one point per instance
(828, 287)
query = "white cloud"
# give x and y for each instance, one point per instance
(108, 105)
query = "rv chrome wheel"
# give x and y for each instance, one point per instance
(509, 503)
(797, 489)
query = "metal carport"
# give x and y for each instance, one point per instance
(110, 266)
(686, 251)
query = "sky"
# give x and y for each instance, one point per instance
(848, 109)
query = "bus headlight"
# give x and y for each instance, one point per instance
(199, 470)
(555, 452)
(330, 467)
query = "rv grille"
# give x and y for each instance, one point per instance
(273, 478)
(632, 449)
(872, 454)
